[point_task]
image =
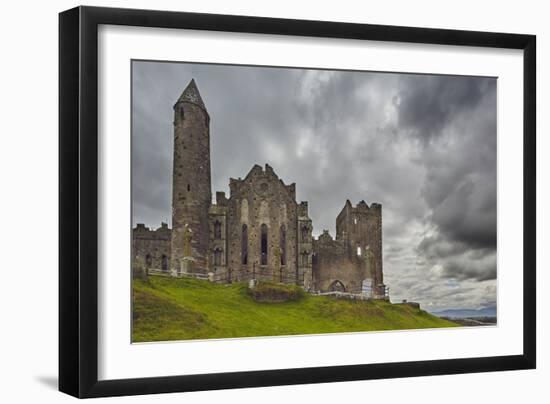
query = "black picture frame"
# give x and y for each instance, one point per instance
(78, 200)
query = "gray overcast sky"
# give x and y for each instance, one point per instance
(424, 146)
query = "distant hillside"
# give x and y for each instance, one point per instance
(464, 313)
(176, 309)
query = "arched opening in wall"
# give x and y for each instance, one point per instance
(304, 233)
(337, 286)
(244, 245)
(164, 263)
(282, 241)
(217, 230)
(263, 244)
(182, 112)
(148, 261)
(218, 256)
(359, 252)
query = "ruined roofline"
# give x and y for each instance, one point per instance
(141, 227)
(326, 237)
(256, 168)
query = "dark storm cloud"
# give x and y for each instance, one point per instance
(460, 182)
(429, 103)
(423, 146)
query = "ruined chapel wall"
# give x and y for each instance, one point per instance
(261, 198)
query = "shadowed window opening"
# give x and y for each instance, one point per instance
(164, 263)
(148, 261)
(244, 245)
(188, 187)
(263, 245)
(282, 239)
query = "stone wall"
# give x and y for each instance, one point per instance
(151, 248)
(305, 247)
(333, 267)
(217, 214)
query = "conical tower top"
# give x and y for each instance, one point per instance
(191, 94)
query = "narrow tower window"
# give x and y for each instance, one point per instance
(358, 251)
(244, 245)
(148, 260)
(263, 245)
(217, 230)
(188, 187)
(164, 263)
(282, 239)
(182, 114)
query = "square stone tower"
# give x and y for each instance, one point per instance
(360, 228)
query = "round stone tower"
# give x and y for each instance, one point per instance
(191, 188)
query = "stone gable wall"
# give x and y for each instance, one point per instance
(261, 198)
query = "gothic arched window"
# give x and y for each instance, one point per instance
(263, 245)
(282, 241)
(217, 230)
(164, 263)
(244, 245)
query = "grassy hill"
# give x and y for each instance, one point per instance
(167, 309)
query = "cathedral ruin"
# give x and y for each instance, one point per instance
(259, 232)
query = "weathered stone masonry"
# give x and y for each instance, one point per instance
(259, 231)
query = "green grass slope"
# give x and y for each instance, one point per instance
(167, 309)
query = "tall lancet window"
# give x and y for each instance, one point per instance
(263, 245)
(244, 245)
(282, 240)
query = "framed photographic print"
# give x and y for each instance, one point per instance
(251, 201)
